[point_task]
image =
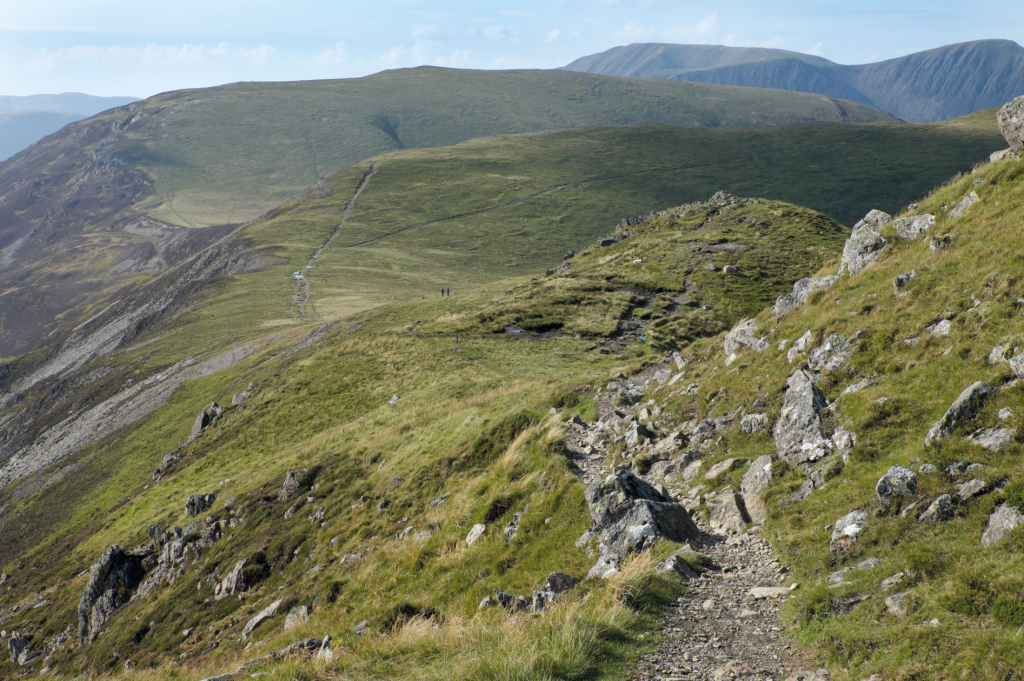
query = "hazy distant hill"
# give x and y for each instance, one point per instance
(26, 120)
(19, 129)
(923, 87)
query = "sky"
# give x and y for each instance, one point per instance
(133, 48)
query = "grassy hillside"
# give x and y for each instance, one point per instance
(324, 406)
(81, 209)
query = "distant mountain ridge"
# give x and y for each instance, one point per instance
(26, 120)
(923, 87)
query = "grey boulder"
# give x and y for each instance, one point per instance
(753, 487)
(801, 290)
(846, 531)
(112, 580)
(865, 243)
(1016, 362)
(743, 334)
(896, 483)
(1011, 124)
(912, 227)
(833, 354)
(1004, 519)
(631, 515)
(964, 205)
(940, 510)
(262, 616)
(297, 616)
(992, 439)
(964, 408)
(754, 423)
(197, 503)
(727, 512)
(17, 646)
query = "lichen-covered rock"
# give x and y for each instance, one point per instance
(198, 503)
(832, 354)
(559, 582)
(799, 346)
(865, 243)
(964, 205)
(754, 423)
(475, 533)
(799, 432)
(846, 531)
(801, 290)
(1004, 519)
(938, 511)
(897, 482)
(993, 439)
(940, 243)
(294, 481)
(112, 580)
(297, 616)
(964, 408)
(1016, 362)
(631, 515)
(914, 226)
(1011, 121)
(262, 616)
(743, 334)
(17, 646)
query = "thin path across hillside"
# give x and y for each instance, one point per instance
(302, 297)
(720, 630)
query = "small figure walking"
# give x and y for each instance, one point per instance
(442, 293)
(448, 291)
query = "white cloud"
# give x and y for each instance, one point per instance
(150, 55)
(392, 57)
(495, 32)
(688, 32)
(514, 13)
(331, 55)
(552, 35)
(816, 50)
(634, 32)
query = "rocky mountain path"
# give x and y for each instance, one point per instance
(727, 626)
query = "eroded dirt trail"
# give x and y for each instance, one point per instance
(301, 296)
(720, 630)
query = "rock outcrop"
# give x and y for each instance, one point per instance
(199, 503)
(964, 205)
(744, 334)
(832, 354)
(1011, 124)
(727, 513)
(846, 531)
(753, 487)
(801, 290)
(898, 482)
(1004, 519)
(865, 243)
(912, 227)
(111, 582)
(631, 515)
(964, 408)
(800, 433)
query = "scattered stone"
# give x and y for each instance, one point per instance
(897, 604)
(18, 647)
(865, 243)
(846, 531)
(198, 503)
(844, 442)
(898, 482)
(927, 468)
(293, 483)
(383, 505)
(233, 582)
(297, 616)
(512, 529)
(575, 420)
(799, 431)
(892, 581)
(901, 280)
(675, 563)
(743, 335)
(394, 399)
(475, 533)
(802, 289)
(437, 502)
(1000, 155)
(940, 510)
(485, 603)
(761, 592)
(940, 243)
(997, 355)
(262, 616)
(719, 468)
(911, 228)
(731, 670)
(559, 582)
(203, 421)
(964, 408)
(362, 628)
(993, 439)
(799, 347)
(964, 205)
(1004, 519)
(941, 329)
(754, 423)
(833, 354)
(970, 489)
(1011, 124)
(1005, 414)
(1017, 365)
(711, 267)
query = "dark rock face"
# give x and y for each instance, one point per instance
(1011, 124)
(111, 582)
(293, 483)
(897, 482)
(197, 503)
(630, 515)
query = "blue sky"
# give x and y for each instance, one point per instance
(121, 47)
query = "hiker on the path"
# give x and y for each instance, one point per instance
(449, 291)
